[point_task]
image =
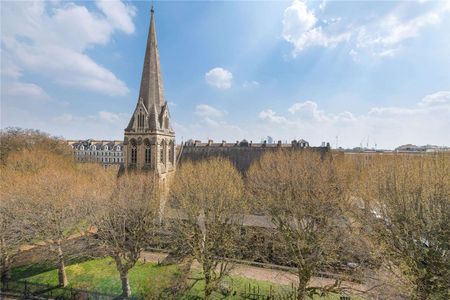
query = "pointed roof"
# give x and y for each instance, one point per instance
(151, 90)
(153, 118)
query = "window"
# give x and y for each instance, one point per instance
(171, 153)
(140, 121)
(163, 152)
(148, 155)
(133, 154)
(166, 123)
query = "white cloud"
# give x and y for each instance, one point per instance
(426, 122)
(399, 31)
(308, 110)
(219, 78)
(207, 111)
(118, 14)
(384, 36)
(51, 40)
(28, 91)
(301, 30)
(323, 5)
(272, 117)
(438, 98)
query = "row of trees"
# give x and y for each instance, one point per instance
(318, 212)
(402, 204)
(44, 196)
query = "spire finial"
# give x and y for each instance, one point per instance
(152, 9)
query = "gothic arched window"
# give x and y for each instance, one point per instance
(140, 120)
(172, 152)
(162, 152)
(133, 156)
(148, 152)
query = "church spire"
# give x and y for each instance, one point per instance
(151, 90)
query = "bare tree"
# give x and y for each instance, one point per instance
(14, 231)
(51, 192)
(128, 221)
(206, 214)
(304, 196)
(407, 211)
(14, 139)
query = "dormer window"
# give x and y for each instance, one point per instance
(140, 120)
(166, 122)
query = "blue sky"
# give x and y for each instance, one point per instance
(350, 73)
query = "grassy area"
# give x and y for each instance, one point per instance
(100, 275)
(147, 280)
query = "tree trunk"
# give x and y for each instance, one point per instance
(207, 275)
(123, 271)
(6, 270)
(6, 263)
(62, 277)
(126, 290)
(303, 280)
(422, 291)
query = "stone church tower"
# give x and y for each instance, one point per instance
(149, 142)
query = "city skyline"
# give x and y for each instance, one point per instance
(314, 70)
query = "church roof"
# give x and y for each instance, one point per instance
(151, 90)
(151, 113)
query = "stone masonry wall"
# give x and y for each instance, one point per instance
(241, 154)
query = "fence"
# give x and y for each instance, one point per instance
(31, 290)
(253, 292)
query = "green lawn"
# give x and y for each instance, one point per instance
(100, 275)
(147, 280)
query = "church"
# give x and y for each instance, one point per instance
(149, 141)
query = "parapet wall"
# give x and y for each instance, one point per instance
(242, 154)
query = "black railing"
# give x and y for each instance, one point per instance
(30, 290)
(254, 292)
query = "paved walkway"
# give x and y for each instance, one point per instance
(260, 273)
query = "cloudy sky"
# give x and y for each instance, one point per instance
(350, 73)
